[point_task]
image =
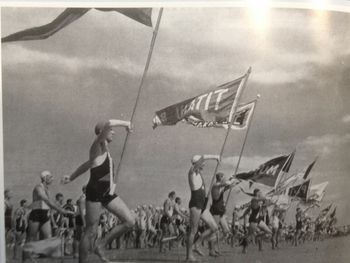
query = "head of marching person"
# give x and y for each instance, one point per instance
(257, 192)
(7, 194)
(46, 177)
(99, 128)
(219, 177)
(178, 200)
(23, 203)
(197, 162)
(172, 195)
(59, 198)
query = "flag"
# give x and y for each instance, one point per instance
(68, 16)
(295, 179)
(141, 15)
(285, 169)
(326, 210)
(317, 192)
(268, 172)
(51, 247)
(333, 213)
(308, 169)
(210, 109)
(300, 191)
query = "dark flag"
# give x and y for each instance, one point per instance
(68, 16)
(210, 109)
(309, 169)
(326, 210)
(268, 172)
(300, 191)
(333, 213)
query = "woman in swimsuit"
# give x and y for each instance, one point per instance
(100, 190)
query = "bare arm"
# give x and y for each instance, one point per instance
(176, 208)
(41, 193)
(211, 157)
(166, 208)
(110, 124)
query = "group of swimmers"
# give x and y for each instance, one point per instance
(154, 227)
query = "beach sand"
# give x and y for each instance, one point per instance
(330, 250)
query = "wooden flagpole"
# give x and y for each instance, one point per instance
(243, 145)
(155, 32)
(232, 113)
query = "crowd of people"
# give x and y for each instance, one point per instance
(163, 227)
(99, 219)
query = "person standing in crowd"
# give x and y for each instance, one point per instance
(166, 224)
(8, 212)
(39, 217)
(20, 223)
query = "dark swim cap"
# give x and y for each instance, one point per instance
(99, 127)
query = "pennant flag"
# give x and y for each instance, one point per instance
(333, 213)
(295, 179)
(317, 192)
(69, 15)
(210, 109)
(141, 15)
(300, 191)
(325, 210)
(308, 169)
(268, 172)
(51, 247)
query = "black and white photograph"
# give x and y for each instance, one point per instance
(175, 131)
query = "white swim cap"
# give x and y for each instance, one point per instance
(196, 158)
(44, 174)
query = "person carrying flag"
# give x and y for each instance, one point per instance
(197, 205)
(100, 191)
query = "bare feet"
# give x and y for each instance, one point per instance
(198, 251)
(99, 252)
(213, 254)
(191, 258)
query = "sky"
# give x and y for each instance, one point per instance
(55, 90)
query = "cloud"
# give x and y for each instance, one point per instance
(16, 54)
(346, 118)
(326, 144)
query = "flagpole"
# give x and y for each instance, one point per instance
(232, 112)
(281, 172)
(243, 145)
(155, 32)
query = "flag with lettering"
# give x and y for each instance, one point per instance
(68, 16)
(209, 109)
(268, 172)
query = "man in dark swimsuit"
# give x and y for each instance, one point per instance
(257, 226)
(100, 191)
(298, 226)
(197, 206)
(218, 208)
(20, 222)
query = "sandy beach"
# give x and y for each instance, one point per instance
(329, 250)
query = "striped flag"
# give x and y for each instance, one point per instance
(68, 16)
(210, 109)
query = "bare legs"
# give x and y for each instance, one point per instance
(93, 209)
